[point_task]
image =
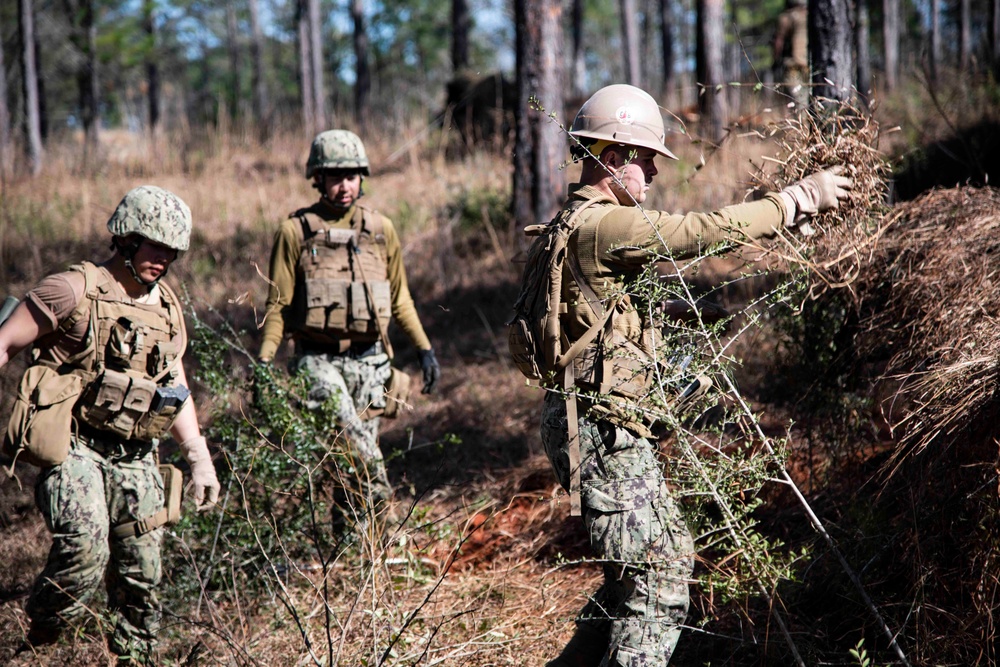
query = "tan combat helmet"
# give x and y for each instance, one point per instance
(155, 214)
(336, 149)
(622, 114)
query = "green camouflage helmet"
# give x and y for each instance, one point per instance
(155, 214)
(336, 149)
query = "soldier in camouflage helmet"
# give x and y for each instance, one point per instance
(337, 279)
(121, 330)
(593, 427)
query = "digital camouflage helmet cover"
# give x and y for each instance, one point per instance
(336, 149)
(153, 213)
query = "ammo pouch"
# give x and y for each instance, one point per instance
(167, 516)
(397, 393)
(41, 422)
(340, 307)
(522, 347)
(124, 404)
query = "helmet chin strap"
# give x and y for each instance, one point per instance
(127, 251)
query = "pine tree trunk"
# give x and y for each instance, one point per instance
(995, 36)
(460, 23)
(862, 43)
(630, 40)
(540, 147)
(890, 39)
(305, 70)
(710, 58)
(667, 46)
(316, 66)
(362, 84)
(29, 80)
(6, 159)
(934, 57)
(965, 35)
(152, 67)
(261, 104)
(235, 61)
(831, 45)
(579, 60)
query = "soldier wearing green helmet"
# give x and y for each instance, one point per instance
(594, 428)
(108, 340)
(336, 281)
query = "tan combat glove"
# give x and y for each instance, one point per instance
(195, 451)
(818, 192)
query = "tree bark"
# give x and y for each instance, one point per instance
(862, 49)
(934, 57)
(831, 45)
(579, 60)
(83, 36)
(152, 66)
(540, 147)
(890, 39)
(710, 59)
(667, 46)
(965, 35)
(235, 61)
(460, 25)
(305, 70)
(29, 80)
(630, 40)
(995, 36)
(6, 159)
(261, 103)
(316, 66)
(362, 84)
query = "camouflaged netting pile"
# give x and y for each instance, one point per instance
(153, 213)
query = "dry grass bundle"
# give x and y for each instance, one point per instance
(845, 238)
(932, 303)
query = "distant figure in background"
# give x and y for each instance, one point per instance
(791, 54)
(337, 278)
(111, 336)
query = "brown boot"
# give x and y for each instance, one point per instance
(586, 648)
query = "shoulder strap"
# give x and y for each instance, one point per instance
(93, 277)
(169, 298)
(306, 226)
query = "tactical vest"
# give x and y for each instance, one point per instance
(130, 358)
(601, 360)
(344, 274)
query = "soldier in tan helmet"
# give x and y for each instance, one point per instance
(598, 446)
(337, 279)
(108, 340)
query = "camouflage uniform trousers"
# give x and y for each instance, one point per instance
(361, 380)
(638, 531)
(81, 500)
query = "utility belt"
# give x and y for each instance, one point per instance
(353, 349)
(109, 445)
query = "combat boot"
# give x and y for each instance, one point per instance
(586, 648)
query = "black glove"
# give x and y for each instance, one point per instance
(432, 372)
